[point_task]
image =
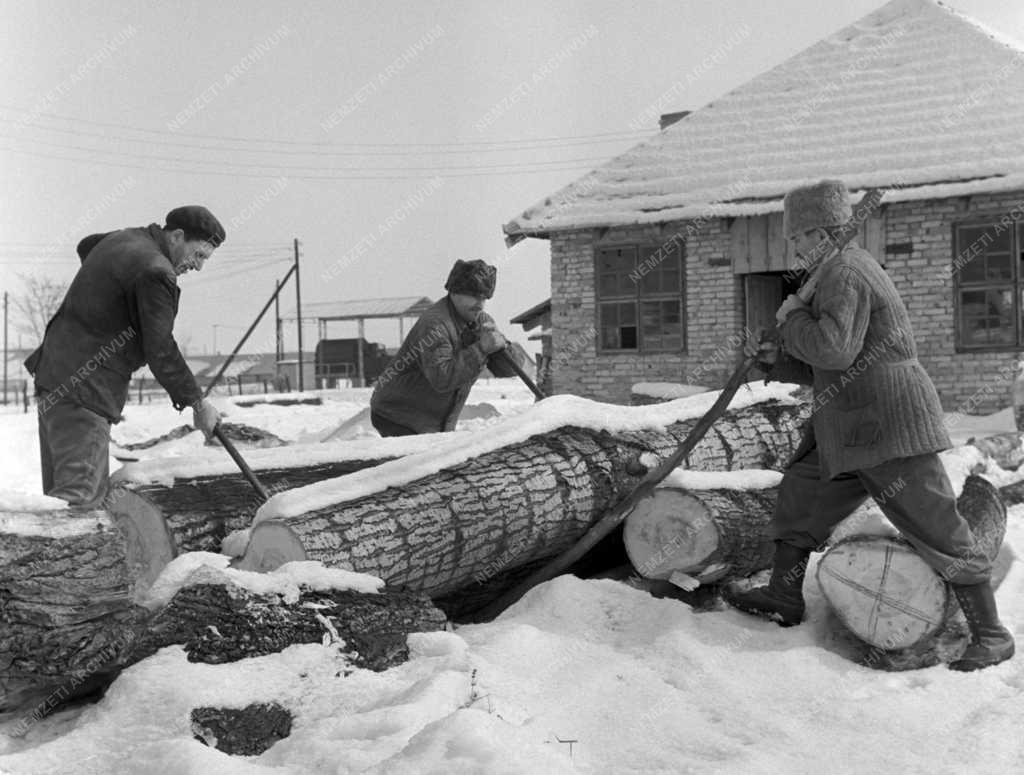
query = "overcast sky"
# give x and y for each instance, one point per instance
(389, 138)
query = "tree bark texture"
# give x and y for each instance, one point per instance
(67, 588)
(217, 623)
(512, 506)
(200, 511)
(247, 731)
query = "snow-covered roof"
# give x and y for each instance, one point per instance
(913, 95)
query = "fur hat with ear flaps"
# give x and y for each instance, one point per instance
(826, 203)
(475, 278)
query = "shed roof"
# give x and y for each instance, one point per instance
(913, 95)
(531, 317)
(354, 309)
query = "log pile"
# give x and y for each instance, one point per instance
(510, 507)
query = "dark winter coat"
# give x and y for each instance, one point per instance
(873, 400)
(117, 316)
(426, 384)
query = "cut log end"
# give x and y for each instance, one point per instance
(883, 591)
(148, 543)
(667, 532)
(271, 545)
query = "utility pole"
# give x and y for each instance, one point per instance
(298, 309)
(277, 326)
(5, 348)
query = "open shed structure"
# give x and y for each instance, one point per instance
(361, 310)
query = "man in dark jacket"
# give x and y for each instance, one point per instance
(877, 420)
(117, 316)
(425, 386)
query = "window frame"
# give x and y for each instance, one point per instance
(988, 222)
(637, 298)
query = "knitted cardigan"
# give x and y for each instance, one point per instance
(873, 401)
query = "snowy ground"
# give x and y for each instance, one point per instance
(580, 676)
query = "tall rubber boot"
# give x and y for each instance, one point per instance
(782, 600)
(991, 643)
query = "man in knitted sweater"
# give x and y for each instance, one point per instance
(877, 425)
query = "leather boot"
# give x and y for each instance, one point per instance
(991, 643)
(782, 600)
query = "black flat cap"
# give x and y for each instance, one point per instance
(197, 222)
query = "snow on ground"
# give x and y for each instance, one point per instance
(578, 677)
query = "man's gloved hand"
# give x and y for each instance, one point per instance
(205, 416)
(491, 340)
(790, 305)
(763, 345)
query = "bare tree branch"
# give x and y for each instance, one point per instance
(39, 302)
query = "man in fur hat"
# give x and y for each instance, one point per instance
(425, 386)
(877, 421)
(117, 316)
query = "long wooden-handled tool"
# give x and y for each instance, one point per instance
(654, 477)
(506, 358)
(240, 462)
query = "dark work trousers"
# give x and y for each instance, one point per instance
(74, 449)
(915, 495)
(385, 427)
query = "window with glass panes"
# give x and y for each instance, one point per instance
(988, 282)
(640, 298)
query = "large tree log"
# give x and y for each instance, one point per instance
(509, 507)
(58, 642)
(202, 499)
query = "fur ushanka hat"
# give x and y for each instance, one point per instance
(475, 278)
(810, 207)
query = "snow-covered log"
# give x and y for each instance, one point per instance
(889, 598)
(70, 632)
(526, 491)
(204, 497)
(218, 623)
(703, 528)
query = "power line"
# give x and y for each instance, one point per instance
(325, 143)
(249, 165)
(228, 173)
(568, 143)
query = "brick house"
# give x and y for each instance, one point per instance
(663, 256)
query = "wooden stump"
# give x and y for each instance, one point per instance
(894, 603)
(68, 586)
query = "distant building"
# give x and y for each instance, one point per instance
(661, 258)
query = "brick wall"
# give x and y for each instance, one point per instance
(714, 311)
(975, 383)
